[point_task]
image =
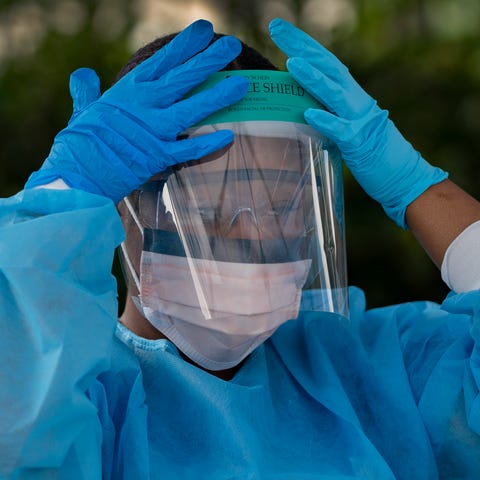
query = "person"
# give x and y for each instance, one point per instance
(318, 389)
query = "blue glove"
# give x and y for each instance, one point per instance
(386, 166)
(116, 143)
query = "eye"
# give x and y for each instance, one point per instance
(273, 213)
(277, 209)
(207, 213)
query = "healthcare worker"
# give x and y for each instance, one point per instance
(239, 354)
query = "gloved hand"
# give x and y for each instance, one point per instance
(116, 143)
(382, 161)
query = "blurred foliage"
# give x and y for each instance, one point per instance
(419, 58)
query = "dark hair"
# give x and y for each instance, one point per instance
(248, 59)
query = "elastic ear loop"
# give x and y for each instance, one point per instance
(124, 248)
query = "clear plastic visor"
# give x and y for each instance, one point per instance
(274, 196)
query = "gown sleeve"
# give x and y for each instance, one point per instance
(58, 312)
(440, 349)
(451, 376)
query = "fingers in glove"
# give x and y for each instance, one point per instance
(296, 43)
(194, 148)
(333, 127)
(326, 91)
(190, 111)
(84, 88)
(177, 82)
(349, 135)
(142, 150)
(185, 45)
(349, 102)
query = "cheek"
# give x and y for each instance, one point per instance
(133, 248)
(134, 244)
(294, 224)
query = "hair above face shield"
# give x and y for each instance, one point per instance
(231, 243)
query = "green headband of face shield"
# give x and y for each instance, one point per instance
(272, 96)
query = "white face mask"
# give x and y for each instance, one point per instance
(218, 312)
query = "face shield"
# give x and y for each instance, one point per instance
(225, 249)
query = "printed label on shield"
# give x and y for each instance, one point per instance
(272, 95)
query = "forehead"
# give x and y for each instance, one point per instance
(251, 161)
(246, 152)
(253, 152)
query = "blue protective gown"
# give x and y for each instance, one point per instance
(394, 394)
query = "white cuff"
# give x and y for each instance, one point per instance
(57, 184)
(461, 263)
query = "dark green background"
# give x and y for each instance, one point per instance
(419, 59)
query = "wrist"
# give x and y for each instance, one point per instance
(439, 215)
(412, 182)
